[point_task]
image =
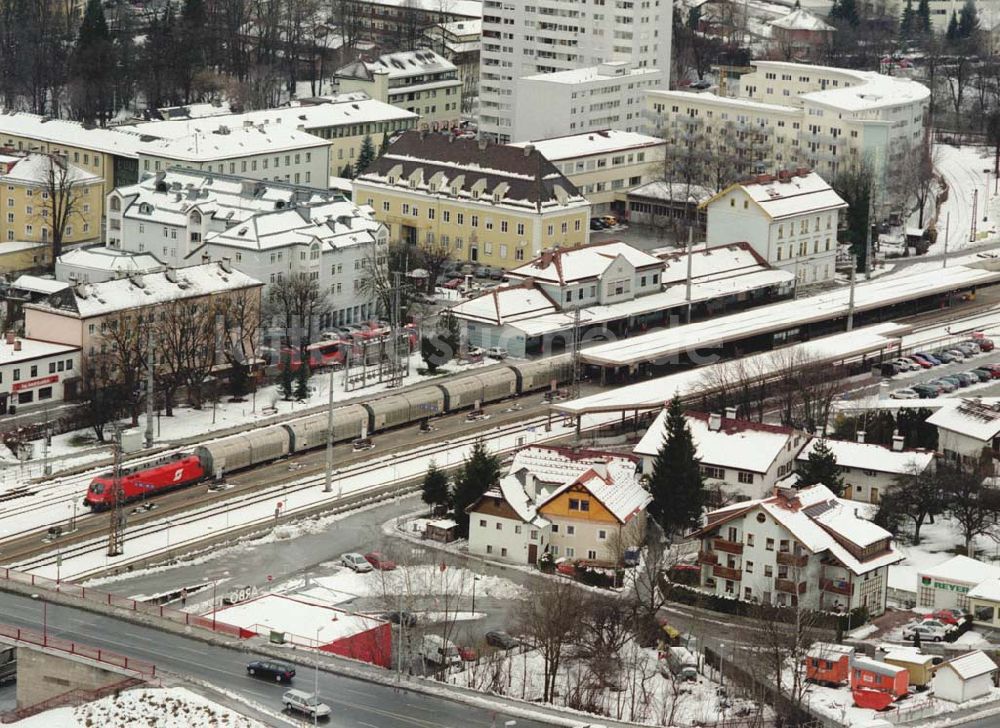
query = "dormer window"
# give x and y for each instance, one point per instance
(196, 218)
(146, 209)
(392, 180)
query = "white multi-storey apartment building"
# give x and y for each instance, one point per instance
(791, 114)
(528, 37)
(608, 96)
(790, 220)
(802, 547)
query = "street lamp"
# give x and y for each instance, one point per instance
(474, 580)
(316, 684)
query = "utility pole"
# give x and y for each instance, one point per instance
(850, 301)
(328, 485)
(975, 205)
(575, 385)
(687, 296)
(116, 528)
(149, 390)
(947, 227)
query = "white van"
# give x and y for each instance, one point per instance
(682, 663)
(434, 648)
(304, 702)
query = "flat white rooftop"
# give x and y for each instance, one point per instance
(665, 343)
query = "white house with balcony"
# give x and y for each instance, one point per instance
(796, 547)
(966, 428)
(741, 458)
(790, 219)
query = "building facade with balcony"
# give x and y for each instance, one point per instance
(966, 429)
(796, 548)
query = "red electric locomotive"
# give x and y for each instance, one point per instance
(175, 471)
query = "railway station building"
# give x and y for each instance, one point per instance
(35, 372)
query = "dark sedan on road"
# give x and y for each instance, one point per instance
(504, 641)
(278, 671)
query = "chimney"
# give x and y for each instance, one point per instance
(170, 274)
(897, 441)
(546, 259)
(861, 436)
(10, 337)
(715, 422)
(226, 264)
(17, 345)
(600, 466)
(482, 145)
(529, 149)
(206, 258)
(530, 485)
(730, 413)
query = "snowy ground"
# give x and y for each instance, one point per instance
(162, 708)
(645, 695)
(963, 170)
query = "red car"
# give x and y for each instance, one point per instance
(566, 567)
(467, 654)
(379, 562)
(949, 616)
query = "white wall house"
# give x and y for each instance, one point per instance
(744, 459)
(870, 469)
(608, 96)
(790, 220)
(34, 372)
(948, 584)
(965, 677)
(525, 38)
(967, 428)
(574, 504)
(98, 263)
(800, 547)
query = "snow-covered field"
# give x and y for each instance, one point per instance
(644, 696)
(162, 708)
(963, 170)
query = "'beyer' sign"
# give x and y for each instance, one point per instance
(32, 383)
(958, 588)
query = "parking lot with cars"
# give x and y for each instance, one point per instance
(944, 370)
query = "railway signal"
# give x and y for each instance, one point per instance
(116, 527)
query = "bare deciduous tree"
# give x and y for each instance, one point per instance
(548, 619)
(62, 201)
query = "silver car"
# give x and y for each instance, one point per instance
(356, 562)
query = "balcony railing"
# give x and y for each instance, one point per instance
(789, 559)
(730, 547)
(788, 586)
(837, 586)
(724, 572)
(708, 557)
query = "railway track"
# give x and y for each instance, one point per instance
(37, 557)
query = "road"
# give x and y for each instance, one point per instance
(355, 703)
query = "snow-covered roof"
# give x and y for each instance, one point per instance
(561, 465)
(120, 262)
(506, 304)
(740, 444)
(909, 655)
(221, 141)
(970, 665)
(989, 589)
(711, 263)
(972, 418)
(462, 27)
(401, 65)
(37, 284)
(30, 349)
(118, 141)
(318, 113)
(880, 668)
(511, 490)
(868, 456)
(571, 265)
(594, 74)
(305, 619)
(467, 8)
(34, 169)
(672, 192)
(557, 149)
(962, 569)
(698, 99)
(821, 523)
(802, 20)
(786, 195)
(87, 300)
(614, 483)
(334, 225)
(826, 650)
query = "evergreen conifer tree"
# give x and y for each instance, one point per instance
(923, 17)
(92, 66)
(908, 21)
(480, 472)
(435, 488)
(968, 19)
(384, 145)
(676, 484)
(302, 380)
(952, 32)
(821, 467)
(366, 156)
(287, 381)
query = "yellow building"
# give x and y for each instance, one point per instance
(29, 212)
(487, 203)
(18, 257)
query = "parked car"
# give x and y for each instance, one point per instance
(968, 348)
(503, 640)
(926, 632)
(944, 356)
(967, 378)
(380, 562)
(936, 386)
(496, 352)
(980, 374)
(938, 624)
(920, 361)
(496, 274)
(609, 220)
(304, 702)
(949, 616)
(957, 355)
(985, 344)
(924, 392)
(356, 562)
(905, 365)
(278, 671)
(929, 357)
(701, 84)
(906, 393)
(944, 385)
(597, 223)
(438, 650)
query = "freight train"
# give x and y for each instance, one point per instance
(266, 444)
